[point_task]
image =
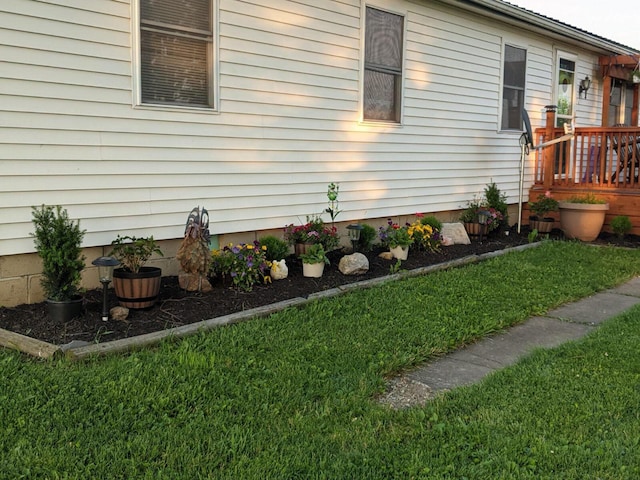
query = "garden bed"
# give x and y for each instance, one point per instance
(177, 307)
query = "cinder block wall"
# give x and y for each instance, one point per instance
(20, 274)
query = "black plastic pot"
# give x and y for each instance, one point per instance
(65, 310)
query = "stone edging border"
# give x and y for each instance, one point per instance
(44, 350)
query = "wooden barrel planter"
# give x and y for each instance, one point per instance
(542, 226)
(473, 229)
(137, 290)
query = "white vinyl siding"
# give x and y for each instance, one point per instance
(288, 119)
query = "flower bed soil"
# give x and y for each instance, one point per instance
(177, 307)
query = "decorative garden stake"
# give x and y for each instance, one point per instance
(193, 254)
(332, 195)
(105, 274)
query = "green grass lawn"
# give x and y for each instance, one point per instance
(293, 395)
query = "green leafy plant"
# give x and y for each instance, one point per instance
(367, 237)
(314, 231)
(497, 200)
(245, 264)
(533, 235)
(315, 254)
(134, 252)
(393, 235)
(277, 249)
(588, 198)
(544, 205)
(470, 212)
(333, 190)
(432, 221)
(621, 225)
(395, 267)
(58, 241)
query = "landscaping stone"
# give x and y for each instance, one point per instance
(354, 264)
(456, 233)
(119, 313)
(194, 283)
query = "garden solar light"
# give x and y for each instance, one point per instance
(354, 234)
(483, 216)
(105, 274)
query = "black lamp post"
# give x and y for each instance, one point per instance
(354, 234)
(105, 274)
(483, 216)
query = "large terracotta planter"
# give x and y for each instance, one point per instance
(313, 270)
(582, 221)
(137, 290)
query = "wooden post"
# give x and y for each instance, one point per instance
(606, 98)
(547, 152)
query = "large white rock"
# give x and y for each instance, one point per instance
(279, 270)
(456, 233)
(354, 264)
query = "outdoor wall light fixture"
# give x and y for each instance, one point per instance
(105, 274)
(483, 216)
(354, 234)
(584, 86)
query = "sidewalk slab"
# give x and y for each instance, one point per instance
(595, 309)
(473, 363)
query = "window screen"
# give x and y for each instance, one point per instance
(176, 49)
(383, 65)
(515, 68)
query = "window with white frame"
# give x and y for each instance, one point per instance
(565, 88)
(513, 84)
(176, 52)
(383, 48)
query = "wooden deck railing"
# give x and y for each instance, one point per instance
(597, 157)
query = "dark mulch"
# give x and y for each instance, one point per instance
(177, 307)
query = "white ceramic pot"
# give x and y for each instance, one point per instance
(401, 253)
(313, 270)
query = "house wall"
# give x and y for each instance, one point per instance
(287, 122)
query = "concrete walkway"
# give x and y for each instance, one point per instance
(569, 322)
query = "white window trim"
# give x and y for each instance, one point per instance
(136, 63)
(505, 43)
(363, 21)
(556, 70)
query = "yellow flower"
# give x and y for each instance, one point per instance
(264, 248)
(249, 246)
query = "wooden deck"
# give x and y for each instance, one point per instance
(599, 160)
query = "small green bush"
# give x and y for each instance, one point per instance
(277, 249)
(432, 221)
(368, 235)
(621, 225)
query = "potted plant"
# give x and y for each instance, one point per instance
(58, 241)
(541, 208)
(397, 238)
(136, 285)
(582, 217)
(312, 232)
(314, 260)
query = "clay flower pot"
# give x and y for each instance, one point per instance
(582, 221)
(400, 252)
(313, 270)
